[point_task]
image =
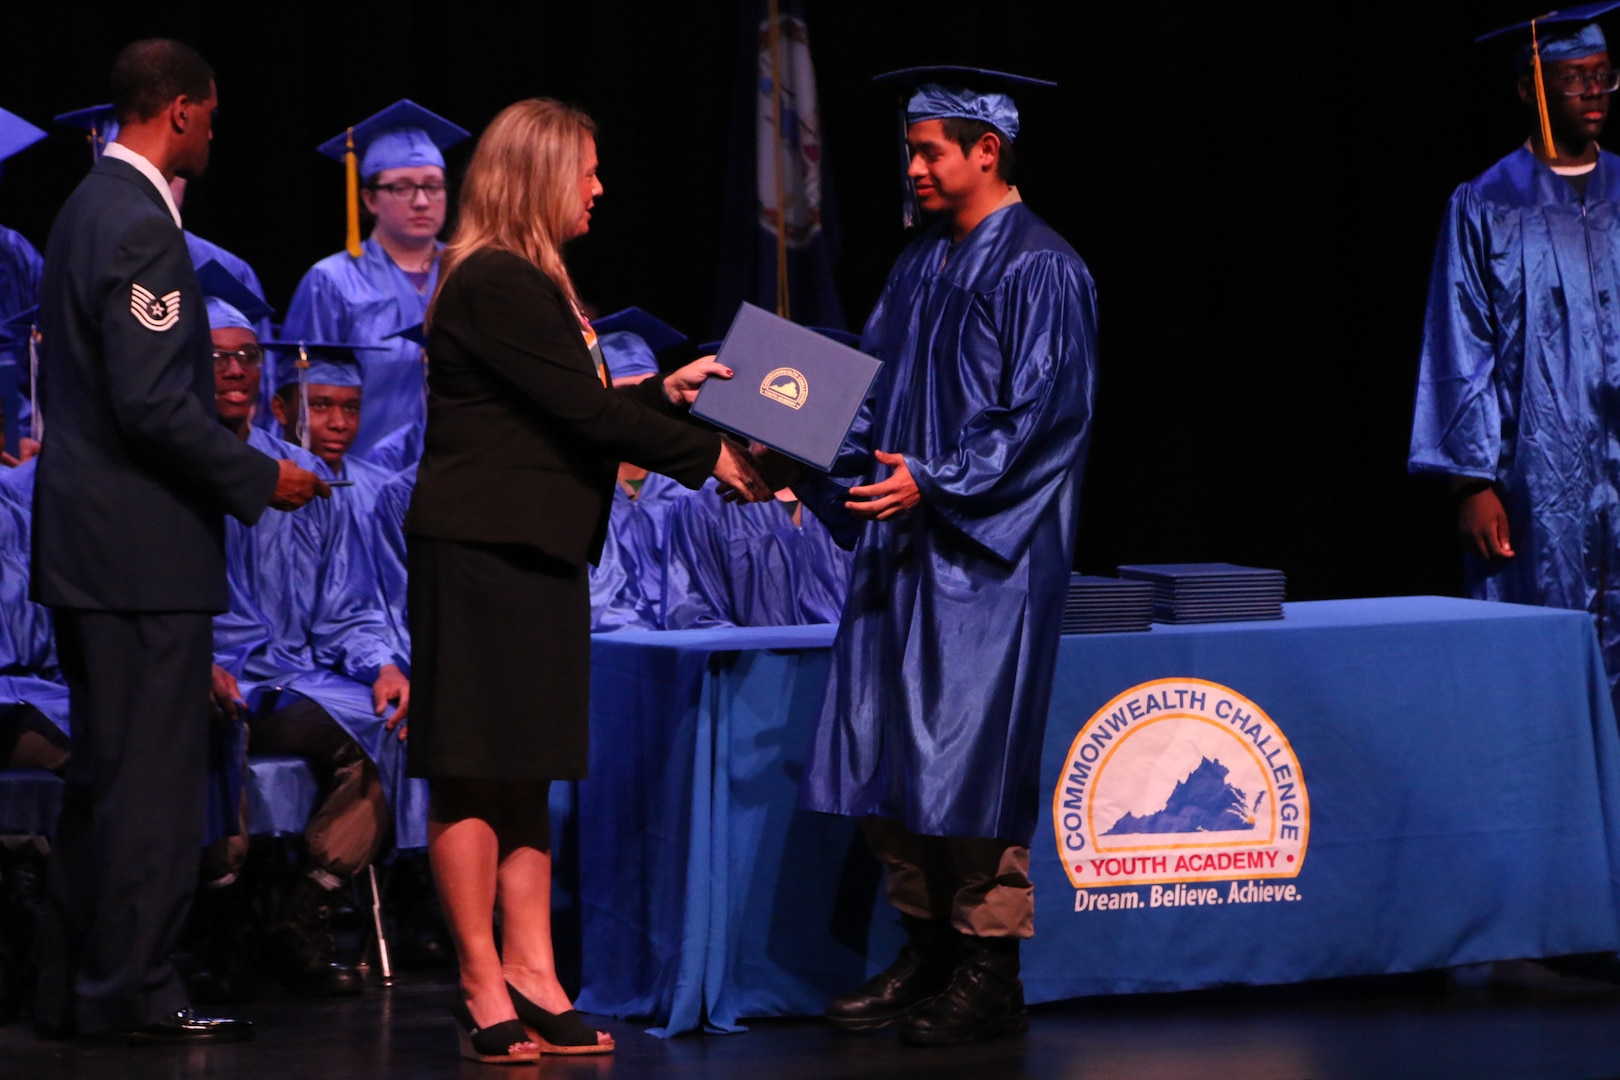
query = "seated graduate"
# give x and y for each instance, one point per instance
(318, 406)
(306, 657)
(752, 564)
(365, 293)
(20, 268)
(627, 583)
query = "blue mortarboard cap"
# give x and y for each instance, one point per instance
(401, 136)
(627, 353)
(655, 332)
(99, 122)
(331, 363)
(230, 303)
(1566, 34)
(16, 134)
(969, 93)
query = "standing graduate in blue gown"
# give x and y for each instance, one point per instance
(364, 294)
(322, 413)
(309, 650)
(1521, 349)
(627, 582)
(959, 486)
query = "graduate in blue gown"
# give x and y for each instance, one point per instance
(365, 293)
(310, 652)
(20, 269)
(627, 582)
(388, 550)
(959, 487)
(33, 696)
(1521, 349)
(322, 411)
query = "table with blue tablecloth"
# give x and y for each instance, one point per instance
(1463, 806)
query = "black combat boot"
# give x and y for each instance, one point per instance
(300, 945)
(984, 1000)
(922, 970)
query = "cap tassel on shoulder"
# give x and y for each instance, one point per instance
(302, 427)
(1548, 149)
(351, 167)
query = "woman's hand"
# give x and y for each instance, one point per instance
(739, 480)
(681, 386)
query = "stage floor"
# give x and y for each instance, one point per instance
(1420, 1026)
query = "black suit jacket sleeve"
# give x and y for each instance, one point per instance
(515, 329)
(150, 375)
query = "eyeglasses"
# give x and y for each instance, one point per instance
(249, 356)
(406, 192)
(1576, 83)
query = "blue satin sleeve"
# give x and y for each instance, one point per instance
(1457, 424)
(997, 482)
(318, 312)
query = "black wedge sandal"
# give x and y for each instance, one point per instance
(557, 1033)
(491, 1045)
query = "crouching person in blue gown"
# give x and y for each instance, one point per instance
(750, 564)
(627, 583)
(306, 656)
(965, 461)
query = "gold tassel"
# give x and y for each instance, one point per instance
(351, 166)
(1548, 149)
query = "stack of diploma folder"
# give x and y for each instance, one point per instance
(1211, 592)
(1105, 605)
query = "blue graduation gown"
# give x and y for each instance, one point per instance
(749, 565)
(304, 617)
(20, 269)
(627, 582)
(29, 672)
(1520, 367)
(388, 550)
(362, 302)
(942, 668)
(369, 480)
(400, 449)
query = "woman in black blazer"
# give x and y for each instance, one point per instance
(524, 436)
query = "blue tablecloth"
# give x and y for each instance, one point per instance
(1460, 760)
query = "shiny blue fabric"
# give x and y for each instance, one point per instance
(1520, 368)
(388, 555)
(627, 582)
(305, 618)
(749, 565)
(360, 500)
(202, 251)
(363, 302)
(20, 268)
(29, 673)
(1563, 43)
(943, 663)
(934, 101)
(399, 450)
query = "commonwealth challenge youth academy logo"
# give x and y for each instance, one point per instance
(786, 385)
(1177, 783)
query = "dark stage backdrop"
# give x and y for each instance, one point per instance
(1257, 190)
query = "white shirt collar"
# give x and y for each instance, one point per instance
(123, 153)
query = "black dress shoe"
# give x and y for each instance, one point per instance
(984, 1001)
(922, 970)
(186, 1028)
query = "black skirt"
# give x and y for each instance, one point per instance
(500, 662)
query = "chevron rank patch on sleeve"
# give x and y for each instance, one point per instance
(152, 311)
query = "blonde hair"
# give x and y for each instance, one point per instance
(521, 191)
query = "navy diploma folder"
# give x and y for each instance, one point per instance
(794, 390)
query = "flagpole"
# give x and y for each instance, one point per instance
(783, 307)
